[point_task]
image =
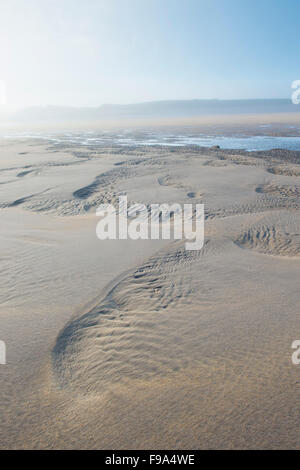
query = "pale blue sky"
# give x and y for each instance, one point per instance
(89, 52)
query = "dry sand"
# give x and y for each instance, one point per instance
(128, 345)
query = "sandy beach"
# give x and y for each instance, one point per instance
(141, 344)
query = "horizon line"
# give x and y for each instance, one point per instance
(12, 108)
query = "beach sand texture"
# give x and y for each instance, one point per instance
(141, 344)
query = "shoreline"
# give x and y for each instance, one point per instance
(227, 121)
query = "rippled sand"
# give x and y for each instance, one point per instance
(124, 344)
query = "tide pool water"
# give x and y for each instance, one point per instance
(132, 138)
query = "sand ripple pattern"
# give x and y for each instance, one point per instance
(278, 236)
(128, 335)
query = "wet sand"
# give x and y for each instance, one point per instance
(142, 344)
